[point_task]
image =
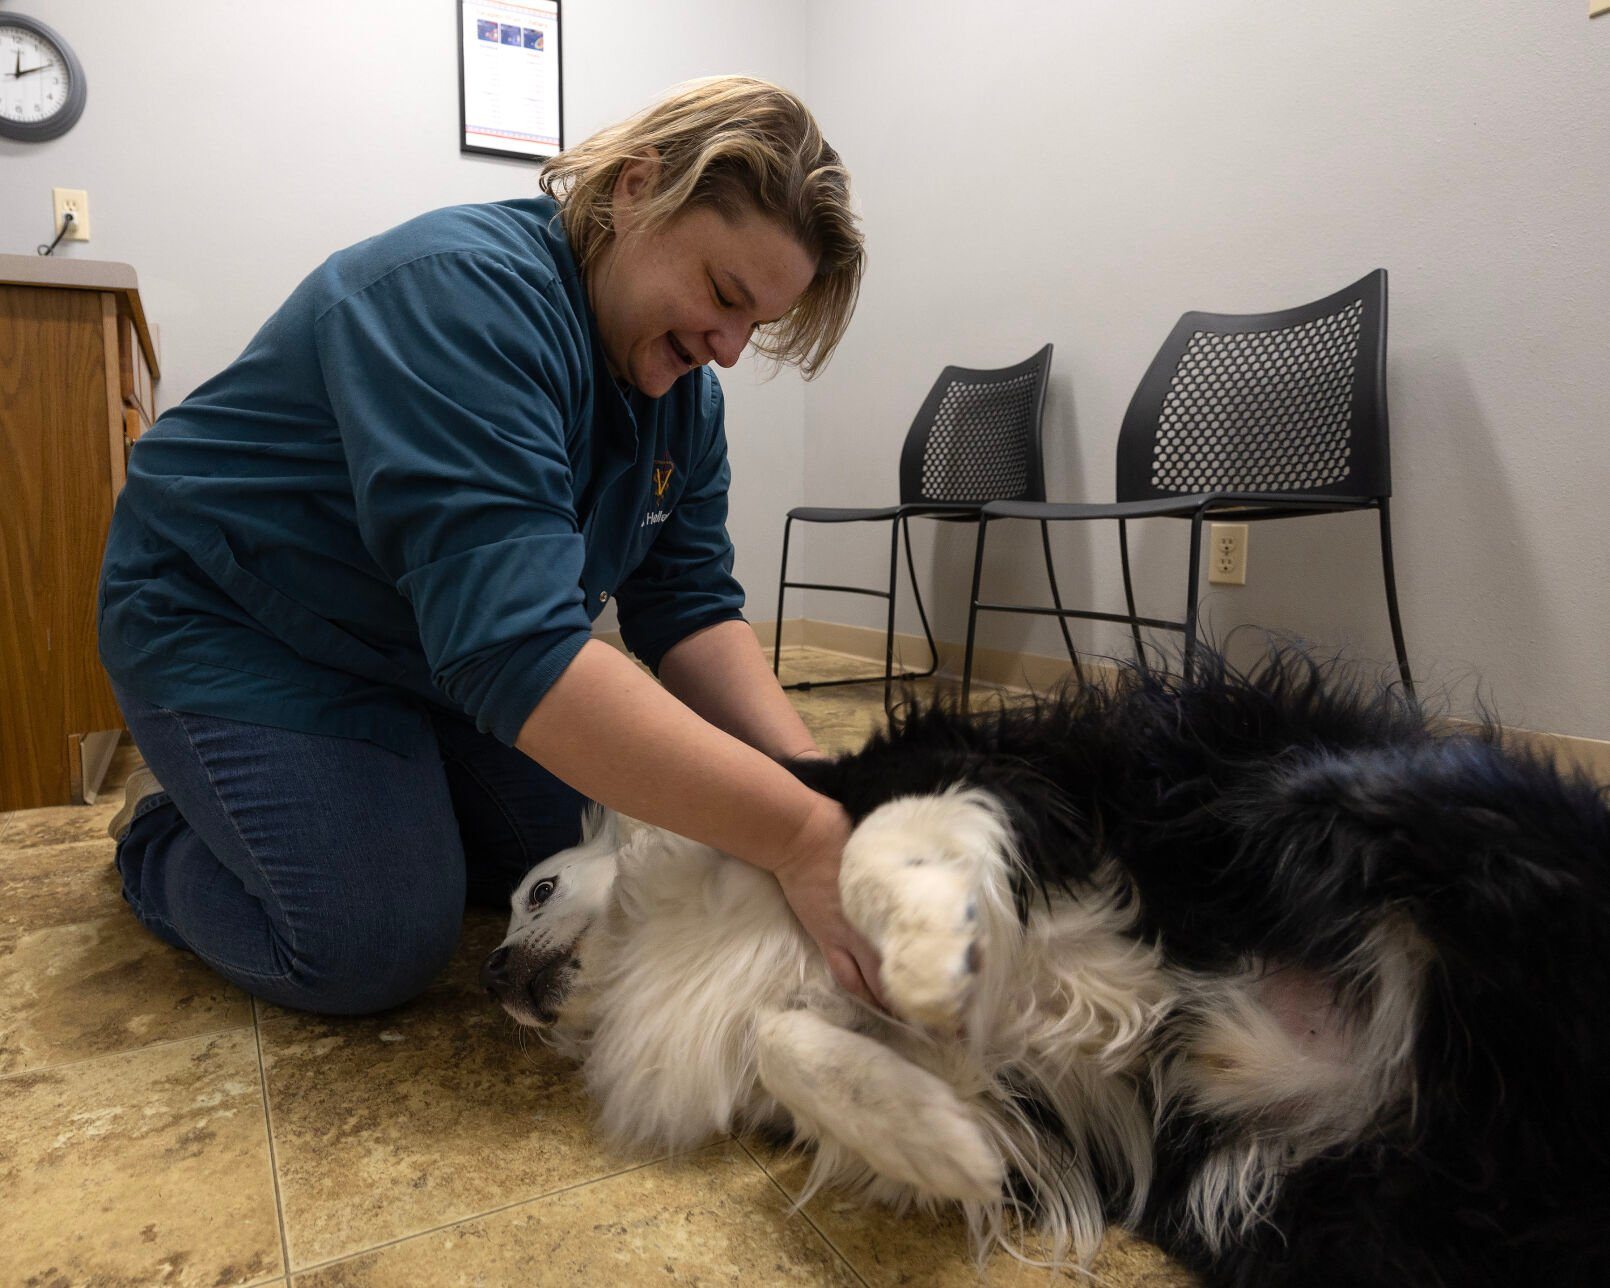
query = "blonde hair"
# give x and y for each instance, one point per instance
(733, 144)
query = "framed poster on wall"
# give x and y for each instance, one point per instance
(510, 79)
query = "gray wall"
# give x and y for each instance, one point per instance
(227, 148)
(1078, 172)
(1086, 172)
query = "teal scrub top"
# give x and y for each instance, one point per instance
(418, 484)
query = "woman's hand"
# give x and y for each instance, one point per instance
(809, 875)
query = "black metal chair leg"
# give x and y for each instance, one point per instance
(916, 594)
(1392, 600)
(782, 582)
(887, 675)
(1193, 584)
(888, 638)
(1056, 598)
(1129, 591)
(972, 616)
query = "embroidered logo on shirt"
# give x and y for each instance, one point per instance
(662, 477)
(654, 517)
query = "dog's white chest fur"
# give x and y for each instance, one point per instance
(695, 949)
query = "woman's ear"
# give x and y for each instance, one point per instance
(633, 186)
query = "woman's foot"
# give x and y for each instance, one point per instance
(141, 784)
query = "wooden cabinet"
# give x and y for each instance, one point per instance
(78, 369)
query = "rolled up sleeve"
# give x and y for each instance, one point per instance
(685, 581)
(451, 378)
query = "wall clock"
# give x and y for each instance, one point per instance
(41, 81)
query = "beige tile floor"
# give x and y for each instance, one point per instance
(159, 1127)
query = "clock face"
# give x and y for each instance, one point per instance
(41, 82)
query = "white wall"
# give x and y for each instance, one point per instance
(1079, 172)
(1085, 172)
(227, 148)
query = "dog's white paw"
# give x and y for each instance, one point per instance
(941, 1151)
(904, 1122)
(930, 948)
(915, 871)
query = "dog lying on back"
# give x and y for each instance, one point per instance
(1258, 965)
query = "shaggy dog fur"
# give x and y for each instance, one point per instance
(1260, 965)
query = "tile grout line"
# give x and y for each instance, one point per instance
(108, 1055)
(504, 1207)
(268, 1128)
(799, 1211)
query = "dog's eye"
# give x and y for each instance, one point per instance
(541, 892)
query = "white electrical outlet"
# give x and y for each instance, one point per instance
(1227, 554)
(76, 200)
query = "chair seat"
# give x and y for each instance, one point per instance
(1247, 505)
(945, 511)
(916, 509)
(829, 514)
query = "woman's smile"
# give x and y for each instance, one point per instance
(674, 298)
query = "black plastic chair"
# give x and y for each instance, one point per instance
(1242, 417)
(976, 439)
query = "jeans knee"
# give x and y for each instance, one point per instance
(375, 962)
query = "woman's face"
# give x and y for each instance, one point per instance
(691, 292)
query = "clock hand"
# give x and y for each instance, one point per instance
(28, 71)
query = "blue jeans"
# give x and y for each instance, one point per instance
(328, 874)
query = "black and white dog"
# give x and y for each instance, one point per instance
(1260, 965)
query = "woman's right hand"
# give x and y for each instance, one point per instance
(809, 875)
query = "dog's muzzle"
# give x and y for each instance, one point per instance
(531, 992)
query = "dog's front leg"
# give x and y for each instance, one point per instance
(926, 879)
(855, 1092)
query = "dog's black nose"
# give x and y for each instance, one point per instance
(494, 971)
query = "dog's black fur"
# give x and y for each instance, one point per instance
(1280, 814)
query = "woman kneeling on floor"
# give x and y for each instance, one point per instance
(347, 593)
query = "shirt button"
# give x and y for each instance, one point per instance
(603, 597)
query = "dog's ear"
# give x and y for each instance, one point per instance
(600, 824)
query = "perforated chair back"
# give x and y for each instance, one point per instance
(976, 437)
(1288, 402)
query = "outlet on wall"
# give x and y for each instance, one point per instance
(1227, 554)
(76, 200)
